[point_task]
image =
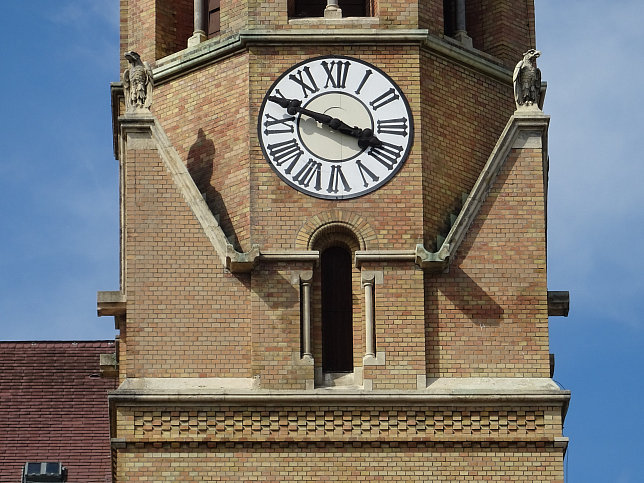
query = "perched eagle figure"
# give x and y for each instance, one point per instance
(137, 83)
(527, 80)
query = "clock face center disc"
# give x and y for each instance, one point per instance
(325, 142)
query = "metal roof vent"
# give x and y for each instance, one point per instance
(45, 471)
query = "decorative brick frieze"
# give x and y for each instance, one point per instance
(338, 423)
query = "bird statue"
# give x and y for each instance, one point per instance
(137, 83)
(527, 80)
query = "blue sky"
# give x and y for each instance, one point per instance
(59, 199)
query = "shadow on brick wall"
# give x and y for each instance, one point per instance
(200, 166)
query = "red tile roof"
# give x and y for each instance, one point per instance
(53, 407)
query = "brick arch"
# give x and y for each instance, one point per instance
(336, 224)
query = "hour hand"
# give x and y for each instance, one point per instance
(293, 106)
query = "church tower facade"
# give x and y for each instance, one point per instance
(333, 244)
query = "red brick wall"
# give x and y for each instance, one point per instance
(502, 28)
(53, 407)
(157, 28)
(174, 25)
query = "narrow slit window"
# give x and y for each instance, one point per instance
(337, 310)
(214, 18)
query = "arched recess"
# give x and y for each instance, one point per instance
(336, 334)
(333, 223)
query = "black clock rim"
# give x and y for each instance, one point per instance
(391, 175)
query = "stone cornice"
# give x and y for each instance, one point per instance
(211, 51)
(363, 256)
(439, 392)
(329, 397)
(290, 256)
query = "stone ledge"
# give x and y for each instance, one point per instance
(290, 256)
(558, 303)
(110, 303)
(212, 50)
(236, 391)
(322, 22)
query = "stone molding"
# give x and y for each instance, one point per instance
(527, 128)
(558, 303)
(143, 131)
(312, 256)
(213, 50)
(110, 303)
(235, 391)
(317, 224)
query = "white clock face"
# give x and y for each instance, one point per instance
(335, 127)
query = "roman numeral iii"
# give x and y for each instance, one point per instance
(392, 126)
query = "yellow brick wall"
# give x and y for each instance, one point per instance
(186, 315)
(157, 28)
(205, 115)
(488, 316)
(386, 462)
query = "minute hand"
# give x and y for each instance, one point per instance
(365, 136)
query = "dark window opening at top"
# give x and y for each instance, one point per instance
(214, 18)
(449, 17)
(337, 310)
(315, 8)
(353, 8)
(309, 8)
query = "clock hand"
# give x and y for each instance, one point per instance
(365, 136)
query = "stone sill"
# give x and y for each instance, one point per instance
(360, 22)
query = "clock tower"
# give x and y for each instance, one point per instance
(333, 244)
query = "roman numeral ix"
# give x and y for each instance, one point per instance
(281, 125)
